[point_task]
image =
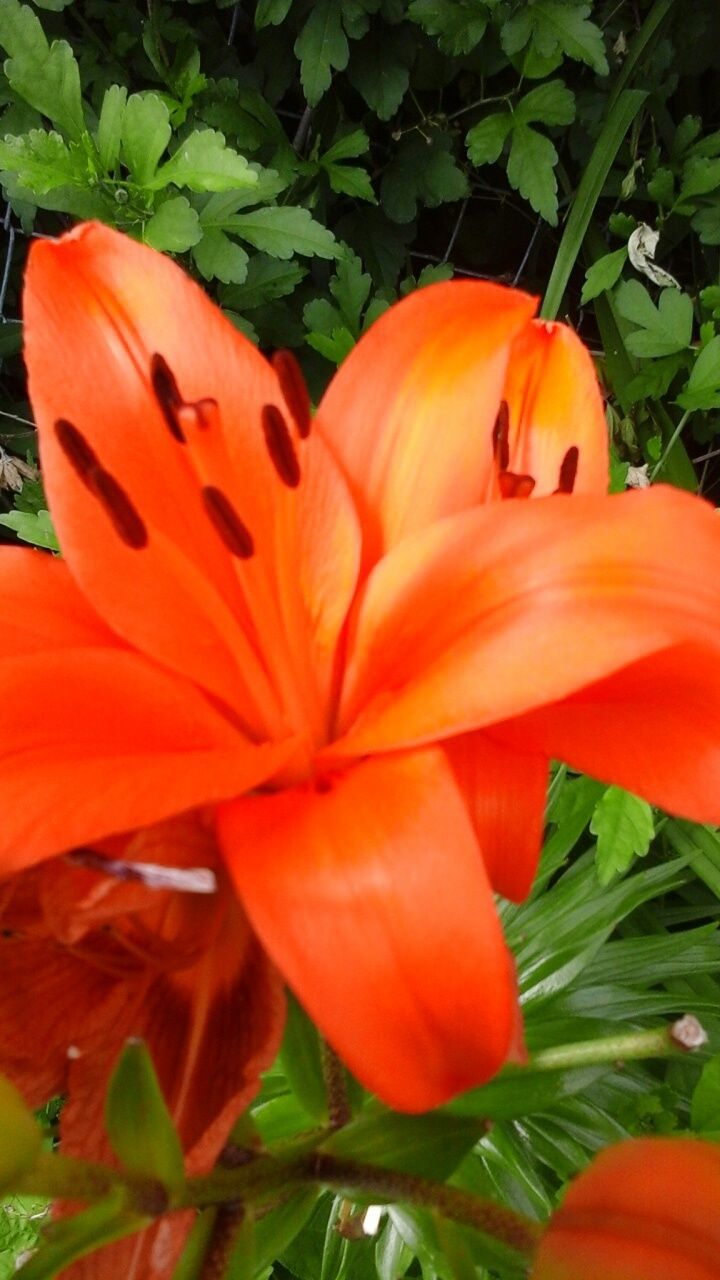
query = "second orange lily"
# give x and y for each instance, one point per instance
(348, 645)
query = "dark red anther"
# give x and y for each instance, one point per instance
(500, 437)
(167, 394)
(280, 446)
(568, 470)
(512, 486)
(227, 523)
(125, 518)
(294, 389)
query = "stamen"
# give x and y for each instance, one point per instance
(512, 486)
(295, 392)
(280, 446)
(152, 874)
(227, 523)
(167, 394)
(500, 437)
(568, 470)
(125, 517)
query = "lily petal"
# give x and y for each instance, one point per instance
(500, 611)
(361, 889)
(651, 728)
(644, 1210)
(117, 743)
(43, 608)
(175, 476)
(410, 413)
(555, 407)
(505, 788)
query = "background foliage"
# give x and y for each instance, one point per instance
(310, 161)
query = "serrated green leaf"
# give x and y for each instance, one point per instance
(350, 287)
(42, 161)
(283, 232)
(707, 224)
(624, 826)
(458, 26)
(348, 147)
(422, 172)
(380, 73)
(266, 280)
(321, 46)
(271, 12)
(140, 1128)
(531, 170)
(603, 274)
(217, 257)
(661, 187)
(702, 390)
(663, 329)
(486, 139)
(203, 162)
(109, 130)
(145, 133)
(559, 28)
(46, 76)
(701, 175)
(550, 103)
(175, 227)
(350, 180)
(33, 527)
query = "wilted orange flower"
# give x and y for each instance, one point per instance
(328, 659)
(646, 1209)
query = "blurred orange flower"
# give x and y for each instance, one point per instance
(646, 1209)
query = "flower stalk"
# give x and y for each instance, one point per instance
(671, 1041)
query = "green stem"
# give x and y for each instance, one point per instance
(338, 1103)
(59, 1177)
(661, 1042)
(670, 444)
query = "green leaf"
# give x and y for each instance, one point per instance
(203, 162)
(350, 180)
(624, 827)
(219, 258)
(145, 133)
(302, 1061)
(380, 73)
(266, 280)
(432, 1144)
(321, 46)
(348, 147)
(551, 103)
(140, 1128)
(421, 172)
(557, 28)
(486, 139)
(174, 227)
(701, 175)
(703, 386)
(285, 231)
(42, 161)
(458, 26)
(350, 287)
(72, 1238)
(705, 1110)
(531, 170)
(21, 1137)
(707, 224)
(663, 329)
(603, 274)
(46, 76)
(271, 12)
(33, 527)
(109, 131)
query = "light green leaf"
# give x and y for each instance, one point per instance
(42, 161)
(380, 74)
(703, 386)
(204, 163)
(140, 1128)
(284, 232)
(624, 828)
(559, 26)
(270, 13)
(486, 139)
(531, 170)
(219, 258)
(21, 1136)
(349, 147)
(458, 26)
(46, 76)
(350, 180)
(350, 287)
(550, 103)
(145, 134)
(603, 274)
(700, 176)
(705, 1112)
(109, 131)
(321, 45)
(663, 329)
(174, 227)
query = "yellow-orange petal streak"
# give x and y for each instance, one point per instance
(410, 413)
(517, 605)
(505, 789)
(97, 741)
(554, 405)
(646, 1209)
(369, 894)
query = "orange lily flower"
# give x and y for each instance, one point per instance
(339, 653)
(646, 1209)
